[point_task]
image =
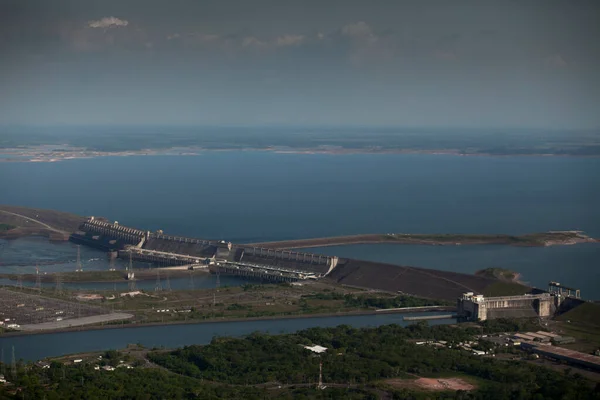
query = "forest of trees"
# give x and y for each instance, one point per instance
(355, 364)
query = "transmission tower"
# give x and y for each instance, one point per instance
(158, 286)
(79, 265)
(38, 279)
(20, 281)
(130, 262)
(168, 285)
(218, 281)
(131, 285)
(58, 282)
(13, 364)
(320, 386)
(192, 281)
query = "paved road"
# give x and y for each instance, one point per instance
(67, 323)
(33, 220)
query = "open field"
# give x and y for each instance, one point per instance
(249, 301)
(582, 323)
(25, 307)
(431, 384)
(68, 323)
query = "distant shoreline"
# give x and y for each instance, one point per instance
(37, 154)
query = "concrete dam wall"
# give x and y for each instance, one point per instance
(478, 307)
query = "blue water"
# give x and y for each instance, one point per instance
(35, 347)
(575, 265)
(256, 196)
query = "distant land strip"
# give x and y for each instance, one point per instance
(552, 238)
(44, 154)
(18, 222)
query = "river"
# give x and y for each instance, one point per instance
(35, 347)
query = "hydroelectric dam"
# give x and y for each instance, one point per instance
(215, 256)
(286, 265)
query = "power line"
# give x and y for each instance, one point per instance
(79, 265)
(218, 281)
(158, 286)
(38, 279)
(168, 285)
(192, 281)
(58, 282)
(13, 364)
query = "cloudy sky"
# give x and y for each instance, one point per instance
(478, 63)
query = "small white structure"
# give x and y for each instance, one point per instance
(316, 348)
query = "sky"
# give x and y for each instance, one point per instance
(501, 64)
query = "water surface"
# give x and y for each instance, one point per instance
(261, 196)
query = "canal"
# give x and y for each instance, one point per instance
(35, 347)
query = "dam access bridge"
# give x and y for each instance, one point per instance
(215, 256)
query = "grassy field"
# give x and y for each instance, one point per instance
(505, 289)
(497, 273)
(249, 301)
(582, 323)
(6, 227)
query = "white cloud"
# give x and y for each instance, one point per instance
(358, 30)
(289, 40)
(108, 22)
(251, 41)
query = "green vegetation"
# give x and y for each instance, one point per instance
(393, 302)
(366, 356)
(505, 289)
(356, 366)
(6, 227)
(586, 313)
(497, 273)
(582, 323)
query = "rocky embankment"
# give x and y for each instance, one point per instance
(553, 238)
